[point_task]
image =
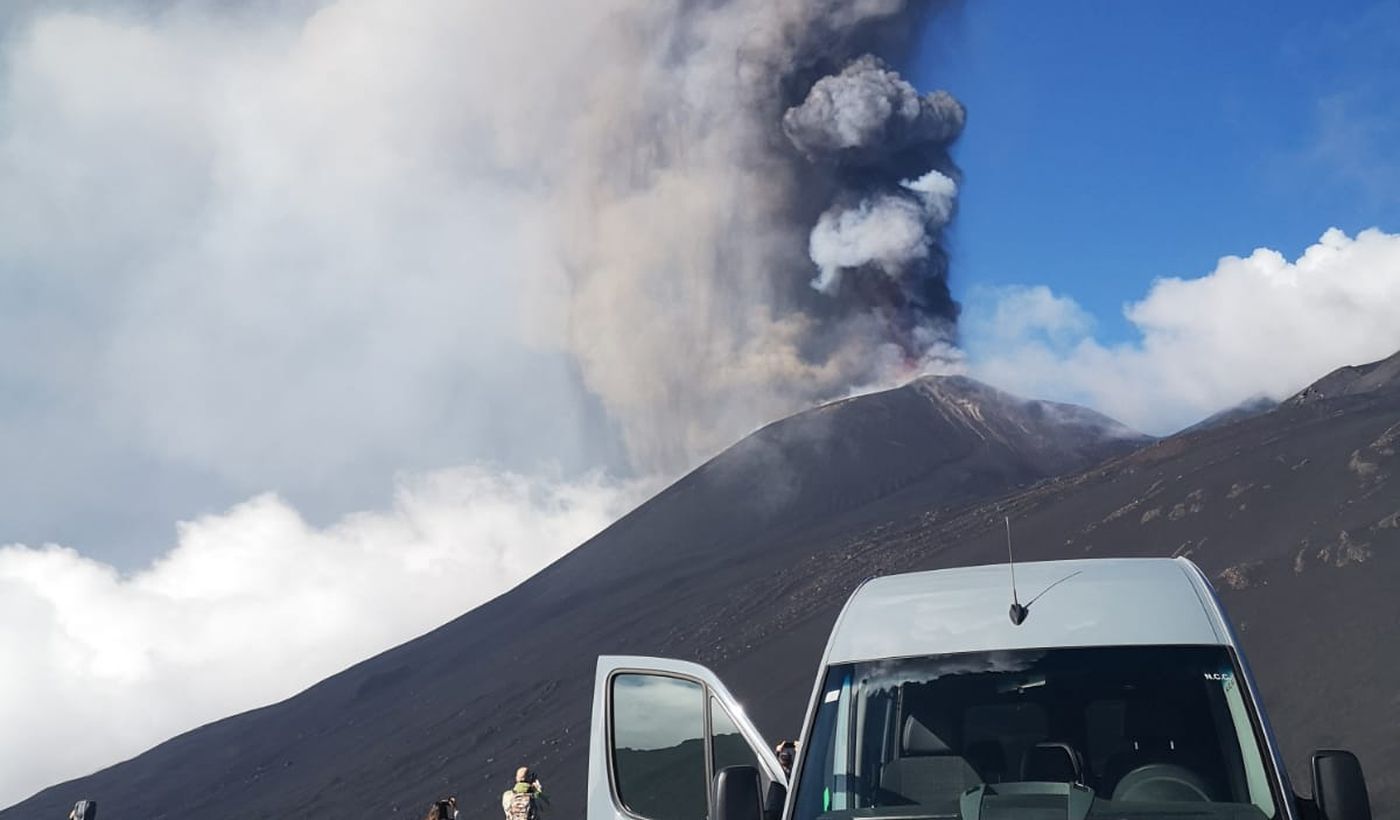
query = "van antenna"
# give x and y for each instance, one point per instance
(1018, 612)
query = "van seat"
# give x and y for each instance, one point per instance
(1052, 763)
(927, 771)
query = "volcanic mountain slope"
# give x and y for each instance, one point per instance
(1295, 514)
(949, 438)
(1349, 381)
(459, 708)
(1245, 409)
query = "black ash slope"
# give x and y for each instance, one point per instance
(458, 709)
(1244, 410)
(1295, 513)
(1349, 381)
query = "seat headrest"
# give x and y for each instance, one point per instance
(1052, 763)
(920, 740)
(1151, 720)
(986, 756)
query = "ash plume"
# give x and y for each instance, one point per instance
(773, 214)
(621, 231)
(301, 247)
(868, 115)
(887, 147)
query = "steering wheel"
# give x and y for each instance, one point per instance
(1162, 783)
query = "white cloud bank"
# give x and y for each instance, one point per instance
(253, 605)
(1259, 325)
(304, 246)
(220, 221)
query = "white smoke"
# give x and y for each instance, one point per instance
(1258, 325)
(253, 605)
(362, 208)
(305, 246)
(889, 232)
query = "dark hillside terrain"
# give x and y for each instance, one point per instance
(1295, 513)
(457, 709)
(1349, 381)
(1246, 409)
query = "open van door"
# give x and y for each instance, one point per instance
(661, 731)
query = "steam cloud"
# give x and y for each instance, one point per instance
(1258, 325)
(253, 604)
(308, 246)
(887, 232)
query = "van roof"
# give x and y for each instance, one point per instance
(1095, 602)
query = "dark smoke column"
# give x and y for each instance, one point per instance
(751, 215)
(878, 246)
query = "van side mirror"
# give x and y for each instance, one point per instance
(1339, 787)
(739, 794)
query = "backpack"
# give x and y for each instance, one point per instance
(522, 806)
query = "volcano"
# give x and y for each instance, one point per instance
(743, 564)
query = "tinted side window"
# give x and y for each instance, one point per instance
(658, 726)
(824, 767)
(730, 747)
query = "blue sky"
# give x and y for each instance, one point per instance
(1112, 143)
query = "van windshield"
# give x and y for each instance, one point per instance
(1052, 733)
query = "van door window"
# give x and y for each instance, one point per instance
(658, 746)
(729, 746)
(825, 771)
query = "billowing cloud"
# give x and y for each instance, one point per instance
(301, 247)
(1258, 325)
(869, 114)
(304, 245)
(254, 604)
(883, 149)
(890, 232)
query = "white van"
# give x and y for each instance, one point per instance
(1120, 691)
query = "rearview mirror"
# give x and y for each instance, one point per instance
(1339, 787)
(738, 794)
